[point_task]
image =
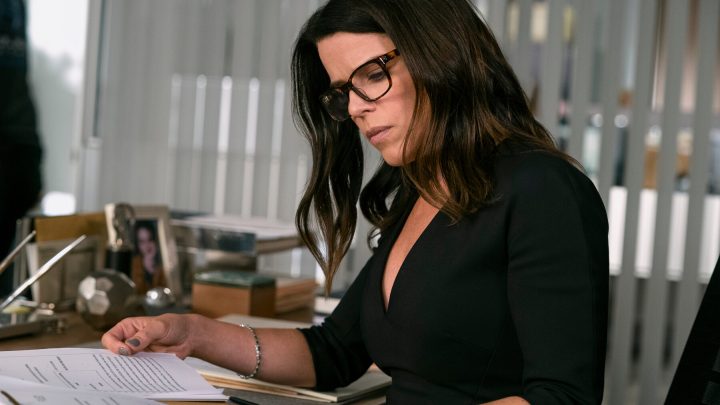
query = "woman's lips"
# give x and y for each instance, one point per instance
(377, 134)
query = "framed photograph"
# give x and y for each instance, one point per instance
(154, 260)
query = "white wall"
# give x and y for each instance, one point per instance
(56, 36)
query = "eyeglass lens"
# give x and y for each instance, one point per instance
(370, 82)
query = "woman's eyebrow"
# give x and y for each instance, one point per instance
(337, 83)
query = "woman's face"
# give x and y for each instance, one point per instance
(146, 244)
(383, 122)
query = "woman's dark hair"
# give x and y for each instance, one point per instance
(468, 102)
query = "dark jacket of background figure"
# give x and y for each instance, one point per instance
(20, 148)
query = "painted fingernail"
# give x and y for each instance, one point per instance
(123, 351)
(134, 342)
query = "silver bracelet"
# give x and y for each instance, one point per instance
(257, 353)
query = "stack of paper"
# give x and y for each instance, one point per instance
(92, 372)
(17, 391)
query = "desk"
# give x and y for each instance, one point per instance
(77, 332)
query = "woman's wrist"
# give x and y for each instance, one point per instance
(200, 332)
(205, 334)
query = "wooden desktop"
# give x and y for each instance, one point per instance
(78, 333)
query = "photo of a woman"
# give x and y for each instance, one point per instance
(147, 269)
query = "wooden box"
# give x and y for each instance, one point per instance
(221, 292)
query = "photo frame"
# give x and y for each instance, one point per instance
(154, 260)
(59, 286)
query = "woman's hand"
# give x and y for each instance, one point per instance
(168, 333)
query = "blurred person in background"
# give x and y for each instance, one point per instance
(20, 148)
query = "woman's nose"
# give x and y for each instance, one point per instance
(357, 106)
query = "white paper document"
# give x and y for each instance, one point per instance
(159, 376)
(28, 393)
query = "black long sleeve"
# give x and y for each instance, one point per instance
(511, 300)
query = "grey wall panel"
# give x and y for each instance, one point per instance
(221, 164)
(581, 79)
(210, 136)
(551, 67)
(614, 29)
(656, 299)
(623, 309)
(262, 151)
(156, 64)
(689, 291)
(236, 146)
(185, 155)
(267, 59)
(494, 13)
(522, 57)
(244, 39)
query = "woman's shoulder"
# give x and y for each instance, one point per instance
(529, 160)
(533, 170)
(538, 182)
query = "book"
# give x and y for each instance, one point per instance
(269, 235)
(157, 376)
(372, 382)
(294, 293)
(288, 286)
(293, 302)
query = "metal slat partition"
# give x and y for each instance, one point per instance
(613, 30)
(494, 13)
(585, 11)
(520, 50)
(217, 136)
(551, 67)
(689, 293)
(623, 309)
(232, 140)
(657, 228)
(655, 305)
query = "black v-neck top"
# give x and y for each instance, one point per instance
(511, 300)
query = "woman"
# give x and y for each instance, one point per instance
(489, 279)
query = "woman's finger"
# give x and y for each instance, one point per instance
(152, 331)
(114, 339)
